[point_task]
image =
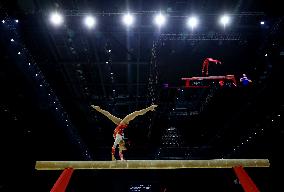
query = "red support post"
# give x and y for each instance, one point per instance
(62, 181)
(245, 180)
(187, 83)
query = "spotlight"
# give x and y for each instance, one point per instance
(128, 19)
(265, 55)
(17, 21)
(224, 20)
(56, 19)
(19, 53)
(90, 22)
(3, 21)
(192, 22)
(12, 40)
(160, 20)
(262, 22)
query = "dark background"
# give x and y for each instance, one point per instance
(45, 106)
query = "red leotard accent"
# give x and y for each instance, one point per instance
(119, 129)
(205, 65)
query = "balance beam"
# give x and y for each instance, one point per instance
(151, 164)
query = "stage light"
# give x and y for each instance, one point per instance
(3, 21)
(262, 22)
(56, 19)
(89, 21)
(19, 53)
(160, 20)
(192, 22)
(265, 55)
(128, 19)
(17, 21)
(12, 40)
(224, 20)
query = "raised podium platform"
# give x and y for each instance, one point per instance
(204, 82)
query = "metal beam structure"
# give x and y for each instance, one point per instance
(72, 13)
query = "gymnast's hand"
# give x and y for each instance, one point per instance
(96, 107)
(152, 107)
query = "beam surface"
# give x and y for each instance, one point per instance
(151, 164)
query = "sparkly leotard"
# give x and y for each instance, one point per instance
(119, 129)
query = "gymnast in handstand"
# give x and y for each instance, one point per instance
(121, 125)
(205, 65)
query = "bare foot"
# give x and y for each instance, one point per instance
(153, 107)
(96, 107)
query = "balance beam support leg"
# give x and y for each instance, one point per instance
(245, 180)
(62, 181)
